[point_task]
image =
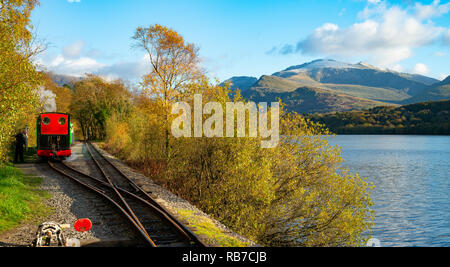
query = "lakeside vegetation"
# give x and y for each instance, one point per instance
(431, 118)
(292, 195)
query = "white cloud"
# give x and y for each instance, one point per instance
(447, 37)
(397, 68)
(440, 54)
(71, 61)
(126, 70)
(433, 10)
(73, 50)
(74, 1)
(75, 67)
(421, 68)
(74, 61)
(385, 35)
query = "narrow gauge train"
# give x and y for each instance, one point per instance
(54, 135)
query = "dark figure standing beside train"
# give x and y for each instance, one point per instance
(21, 142)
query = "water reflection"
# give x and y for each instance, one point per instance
(411, 173)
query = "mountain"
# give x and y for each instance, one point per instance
(328, 85)
(62, 80)
(305, 99)
(436, 92)
(419, 78)
(242, 83)
(328, 71)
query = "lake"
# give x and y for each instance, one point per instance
(412, 179)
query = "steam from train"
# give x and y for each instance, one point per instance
(48, 99)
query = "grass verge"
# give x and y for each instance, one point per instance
(205, 227)
(21, 201)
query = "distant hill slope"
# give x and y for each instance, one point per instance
(242, 83)
(423, 118)
(341, 86)
(62, 80)
(305, 99)
(436, 92)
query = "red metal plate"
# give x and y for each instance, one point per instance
(54, 127)
(49, 153)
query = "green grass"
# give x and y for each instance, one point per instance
(20, 198)
(205, 227)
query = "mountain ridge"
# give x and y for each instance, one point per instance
(437, 92)
(240, 82)
(342, 83)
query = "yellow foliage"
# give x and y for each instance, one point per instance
(94, 100)
(292, 195)
(15, 15)
(296, 194)
(18, 77)
(174, 66)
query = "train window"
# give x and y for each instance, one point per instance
(62, 121)
(46, 120)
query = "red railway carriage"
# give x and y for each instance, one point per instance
(53, 135)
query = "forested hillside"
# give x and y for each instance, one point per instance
(431, 118)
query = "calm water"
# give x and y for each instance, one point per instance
(412, 176)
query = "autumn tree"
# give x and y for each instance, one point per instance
(94, 100)
(293, 195)
(19, 79)
(15, 16)
(174, 64)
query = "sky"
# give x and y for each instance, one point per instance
(246, 37)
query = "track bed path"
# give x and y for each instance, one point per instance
(171, 202)
(69, 202)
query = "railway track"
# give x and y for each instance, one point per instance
(156, 226)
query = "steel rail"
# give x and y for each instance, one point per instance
(133, 215)
(126, 192)
(143, 234)
(182, 229)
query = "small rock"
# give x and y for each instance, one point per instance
(140, 182)
(147, 189)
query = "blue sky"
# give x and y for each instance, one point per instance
(247, 37)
